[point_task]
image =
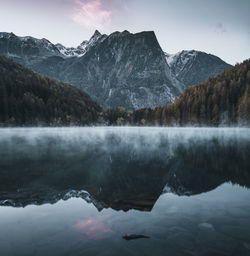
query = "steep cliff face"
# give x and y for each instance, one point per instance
(126, 70)
(193, 67)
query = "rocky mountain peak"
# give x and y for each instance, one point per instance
(95, 36)
(97, 33)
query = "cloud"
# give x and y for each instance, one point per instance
(91, 14)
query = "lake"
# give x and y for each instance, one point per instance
(82, 191)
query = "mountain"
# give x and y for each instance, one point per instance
(27, 98)
(122, 69)
(117, 70)
(220, 100)
(193, 67)
(126, 70)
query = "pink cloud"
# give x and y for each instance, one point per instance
(91, 14)
(94, 228)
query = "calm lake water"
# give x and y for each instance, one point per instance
(78, 191)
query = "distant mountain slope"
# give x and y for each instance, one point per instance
(193, 67)
(27, 98)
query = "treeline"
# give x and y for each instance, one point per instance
(220, 100)
(27, 98)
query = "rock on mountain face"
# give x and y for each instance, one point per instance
(193, 67)
(121, 69)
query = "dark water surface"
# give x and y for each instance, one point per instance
(78, 191)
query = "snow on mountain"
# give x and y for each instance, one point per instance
(70, 51)
(81, 49)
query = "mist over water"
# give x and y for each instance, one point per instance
(19, 143)
(93, 185)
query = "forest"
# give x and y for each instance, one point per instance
(27, 98)
(30, 99)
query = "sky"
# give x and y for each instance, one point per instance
(219, 27)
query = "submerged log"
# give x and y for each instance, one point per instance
(133, 236)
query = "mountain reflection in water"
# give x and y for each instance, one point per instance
(119, 168)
